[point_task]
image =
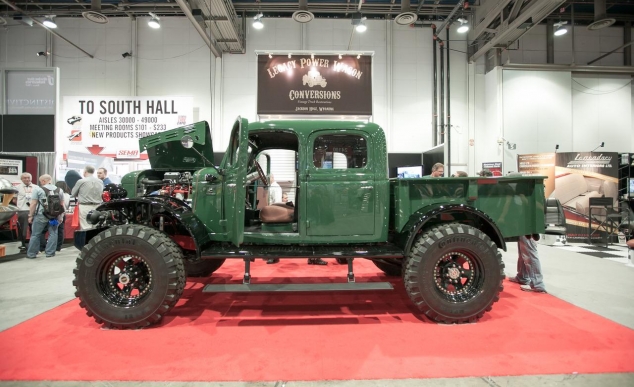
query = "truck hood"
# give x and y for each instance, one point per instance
(165, 151)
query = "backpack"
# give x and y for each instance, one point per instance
(54, 203)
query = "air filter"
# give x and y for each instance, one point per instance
(600, 19)
(94, 15)
(406, 17)
(303, 15)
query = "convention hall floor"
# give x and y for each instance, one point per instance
(595, 279)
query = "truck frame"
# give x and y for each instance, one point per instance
(186, 216)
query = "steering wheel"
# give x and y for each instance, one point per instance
(261, 173)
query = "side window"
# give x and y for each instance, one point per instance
(340, 151)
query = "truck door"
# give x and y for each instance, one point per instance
(234, 165)
(340, 184)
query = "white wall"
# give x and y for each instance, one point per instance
(589, 45)
(601, 107)
(541, 109)
(173, 60)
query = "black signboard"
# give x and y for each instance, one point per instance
(315, 85)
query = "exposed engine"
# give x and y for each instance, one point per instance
(174, 184)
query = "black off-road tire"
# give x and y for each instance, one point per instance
(202, 267)
(391, 267)
(129, 276)
(454, 252)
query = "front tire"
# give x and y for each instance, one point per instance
(129, 276)
(454, 273)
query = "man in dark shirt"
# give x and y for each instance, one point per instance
(102, 174)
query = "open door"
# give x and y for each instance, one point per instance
(234, 165)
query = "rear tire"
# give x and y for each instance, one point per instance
(454, 273)
(129, 276)
(202, 267)
(391, 267)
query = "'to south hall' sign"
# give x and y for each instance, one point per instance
(317, 85)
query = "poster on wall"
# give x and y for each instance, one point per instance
(30, 92)
(539, 164)
(11, 169)
(579, 177)
(112, 126)
(315, 85)
(495, 167)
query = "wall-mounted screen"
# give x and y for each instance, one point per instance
(412, 172)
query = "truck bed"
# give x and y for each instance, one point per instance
(515, 204)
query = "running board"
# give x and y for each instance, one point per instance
(314, 251)
(346, 286)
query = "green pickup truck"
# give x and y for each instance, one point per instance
(186, 216)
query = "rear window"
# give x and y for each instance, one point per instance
(340, 151)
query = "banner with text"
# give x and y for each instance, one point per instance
(315, 85)
(112, 126)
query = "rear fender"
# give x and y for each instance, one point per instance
(427, 216)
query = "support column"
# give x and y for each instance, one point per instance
(627, 37)
(434, 97)
(550, 41)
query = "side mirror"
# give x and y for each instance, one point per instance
(187, 141)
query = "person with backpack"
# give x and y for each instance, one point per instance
(45, 212)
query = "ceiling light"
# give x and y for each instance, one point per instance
(339, 56)
(257, 22)
(359, 24)
(42, 53)
(270, 56)
(361, 27)
(560, 29)
(289, 56)
(359, 56)
(312, 56)
(48, 22)
(154, 22)
(464, 25)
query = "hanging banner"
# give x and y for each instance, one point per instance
(112, 126)
(315, 85)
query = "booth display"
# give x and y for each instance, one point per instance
(187, 215)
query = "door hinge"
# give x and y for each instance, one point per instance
(307, 223)
(223, 223)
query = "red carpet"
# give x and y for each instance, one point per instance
(316, 336)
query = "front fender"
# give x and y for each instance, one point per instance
(424, 215)
(148, 206)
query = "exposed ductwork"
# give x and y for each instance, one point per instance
(600, 19)
(303, 15)
(406, 17)
(95, 15)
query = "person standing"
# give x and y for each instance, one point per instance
(438, 170)
(25, 192)
(275, 191)
(88, 193)
(102, 174)
(39, 221)
(529, 270)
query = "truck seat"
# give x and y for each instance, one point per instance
(277, 213)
